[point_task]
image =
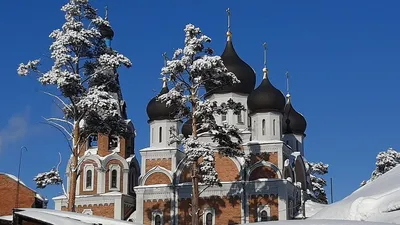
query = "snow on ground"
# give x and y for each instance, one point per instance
(318, 222)
(68, 218)
(311, 209)
(378, 200)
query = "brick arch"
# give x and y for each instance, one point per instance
(226, 168)
(263, 169)
(157, 178)
(82, 176)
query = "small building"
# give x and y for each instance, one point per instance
(27, 197)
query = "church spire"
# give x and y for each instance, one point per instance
(229, 33)
(265, 69)
(106, 31)
(287, 86)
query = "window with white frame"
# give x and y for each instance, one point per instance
(291, 209)
(114, 177)
(209, 216)
(157, 218)
(263, 213)
(273, 126)
(240, 118)
(160, 134)
(223, 117)
(263, 127)
(88, 178)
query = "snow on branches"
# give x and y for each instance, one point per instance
(190, 70)
(385, 161)
(47, 178)
(317, 170)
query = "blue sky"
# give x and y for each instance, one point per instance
(342, 57)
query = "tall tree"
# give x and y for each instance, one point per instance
(191, 70)
(317, 170)
(385, 161)
(84, 71)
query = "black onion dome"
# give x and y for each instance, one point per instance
(106, 32)
(157, 110)
(241, 69)
(293, 122)
(266, 98)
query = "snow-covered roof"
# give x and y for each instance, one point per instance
(319, 222)
(38, 196)
(68, 218)
(6, 218)
(311, 208)
(379, 200)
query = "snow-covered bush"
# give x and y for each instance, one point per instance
(385, 161)
(317, 170)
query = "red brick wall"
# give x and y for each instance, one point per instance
(158, 178)
(150, 163)
(227, 209)
(8, 192)
(106, 210)
(102, 145)
(271, 157)
(150, 206)
(256, 201)
(226, 168)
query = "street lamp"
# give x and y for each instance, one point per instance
(19, 171)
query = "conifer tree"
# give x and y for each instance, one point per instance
(317, 170)
(84, 71)
(191, 70)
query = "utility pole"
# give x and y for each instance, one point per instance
(331, 190)
(19, 172)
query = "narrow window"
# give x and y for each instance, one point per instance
(157, 220)
(249, 121)
(239, 118)
(297, 145)
(264, 215)
(114, 179)
(263, 127)
(273, 127)
(89, 179)
(160, 135)
(223, 117)
(209, 218)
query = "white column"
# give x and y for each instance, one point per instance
(125, 181)
(101, 187)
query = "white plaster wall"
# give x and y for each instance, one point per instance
(268, 134)
(165, 135)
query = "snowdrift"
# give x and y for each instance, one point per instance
(377, 201)
(318, 222)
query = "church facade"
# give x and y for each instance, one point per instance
(271, 186)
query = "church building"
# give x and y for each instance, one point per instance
(272, 186)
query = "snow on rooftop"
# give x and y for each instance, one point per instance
(6, 218)
(378, 200)
(312, 208)
(14, 178)
(318, 222)
(68, 218)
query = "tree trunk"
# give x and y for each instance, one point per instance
(195, 176)
(73, 170)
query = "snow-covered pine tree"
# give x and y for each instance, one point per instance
(317, 170)
(190, 70)
(385, 161)
(84, 71)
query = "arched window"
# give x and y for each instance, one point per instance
(114, 179)
(209, 219)
(89, 179)
(152, 135)
(264, 215)
(223, 117)
(297, 145)
(263, 127)
(160, 135)
(273, 127)
(157, 220)
(240, 118)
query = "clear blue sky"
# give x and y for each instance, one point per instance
(343, 57)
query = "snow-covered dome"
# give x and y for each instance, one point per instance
(293, 122)
(241, 69)
(266, 98)
(157, 110)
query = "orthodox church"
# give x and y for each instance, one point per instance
(272, 186)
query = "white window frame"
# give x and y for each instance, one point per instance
(111, 168)
(205, 212)
(262, 208)
(224, 118)
(86, 168)
(240, 118)
(154, 214)
(118, 144)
